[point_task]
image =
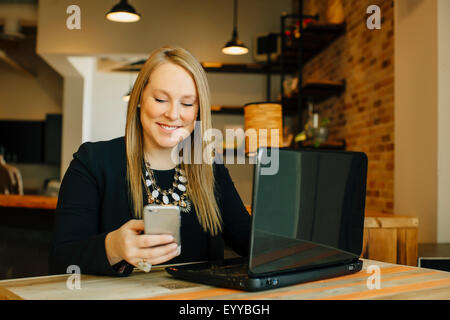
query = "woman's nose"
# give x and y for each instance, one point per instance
(173, 112)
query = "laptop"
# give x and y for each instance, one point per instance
(307, 222)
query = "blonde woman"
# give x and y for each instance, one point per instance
(99, 225)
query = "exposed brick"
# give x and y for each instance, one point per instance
(364, 113)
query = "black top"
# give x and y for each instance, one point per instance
(93, 201)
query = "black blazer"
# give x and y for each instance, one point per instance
(93, 201)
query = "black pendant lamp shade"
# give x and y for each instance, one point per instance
(235, 46)
(123, 12)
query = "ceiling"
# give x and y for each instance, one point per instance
(18, 30)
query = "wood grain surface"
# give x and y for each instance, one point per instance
(396, 282)
(28, 201)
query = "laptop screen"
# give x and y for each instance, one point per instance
(309, 211)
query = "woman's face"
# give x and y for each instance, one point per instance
(169, 106)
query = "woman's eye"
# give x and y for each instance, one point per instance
(159, 100)
(187, 104)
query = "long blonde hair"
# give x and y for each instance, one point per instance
(201, 184)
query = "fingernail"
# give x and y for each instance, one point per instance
(179, 250)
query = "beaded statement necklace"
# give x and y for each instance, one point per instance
(171, 196)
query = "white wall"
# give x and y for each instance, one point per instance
(23, 97)
(108, 109)
(72, 107)
(86, 67)
(443, 210)
(422, 81)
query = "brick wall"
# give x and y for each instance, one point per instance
(364, 114)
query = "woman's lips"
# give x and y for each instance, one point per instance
(168, 128)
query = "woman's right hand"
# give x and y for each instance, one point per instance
(127, 243)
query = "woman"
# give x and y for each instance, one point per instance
(99, 226)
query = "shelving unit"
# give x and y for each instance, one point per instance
(222, 67)
(227, 109)
(315, 91)
(315, 38)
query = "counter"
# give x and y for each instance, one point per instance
(26, 230)
(28, 201)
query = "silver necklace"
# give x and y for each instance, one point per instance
(173, 196)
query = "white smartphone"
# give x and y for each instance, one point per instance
(162, 220)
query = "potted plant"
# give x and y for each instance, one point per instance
(316, 135)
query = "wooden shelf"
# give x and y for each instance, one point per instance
(315, 91)
(330, 145)
(227, 109)
(222, 67)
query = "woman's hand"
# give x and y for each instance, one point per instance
(127, 243)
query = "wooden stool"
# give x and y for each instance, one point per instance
(390, 238)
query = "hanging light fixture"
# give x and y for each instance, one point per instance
(235, 46)
(123, 12)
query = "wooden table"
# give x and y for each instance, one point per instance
(396, 282)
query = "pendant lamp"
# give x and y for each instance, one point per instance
(123, 12)
(235, 46)
(263, 123)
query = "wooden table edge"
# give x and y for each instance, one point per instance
(28, 201)
(6, 294)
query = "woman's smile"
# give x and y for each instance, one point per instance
(167, 128)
